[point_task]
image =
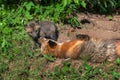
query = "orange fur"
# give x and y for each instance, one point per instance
(96, 49)
(66, 49)
(118, 48)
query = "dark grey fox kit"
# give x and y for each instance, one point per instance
(44, 29)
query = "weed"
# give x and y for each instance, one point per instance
(117, 61)
(49, 57)
(110, 17)
(115, 75)
(3, 67)
(89, 72)
(74, 22)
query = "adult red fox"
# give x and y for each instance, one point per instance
(95, 50)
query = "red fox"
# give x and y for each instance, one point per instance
(95, 50)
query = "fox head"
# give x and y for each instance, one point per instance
(65, 49)
(32, 28)
(48, 46)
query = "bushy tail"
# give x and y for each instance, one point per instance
(97, 50)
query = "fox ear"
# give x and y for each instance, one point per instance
(52, 44)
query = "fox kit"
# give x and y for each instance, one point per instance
(44, 29)
(94, 50)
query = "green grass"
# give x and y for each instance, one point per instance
(27, 68)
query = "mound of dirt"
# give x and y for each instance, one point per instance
(98, 26)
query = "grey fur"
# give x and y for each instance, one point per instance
(46, 29)
(98, 50)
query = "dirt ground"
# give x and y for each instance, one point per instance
(94, 25)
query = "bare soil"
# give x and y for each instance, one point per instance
(94, 25)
